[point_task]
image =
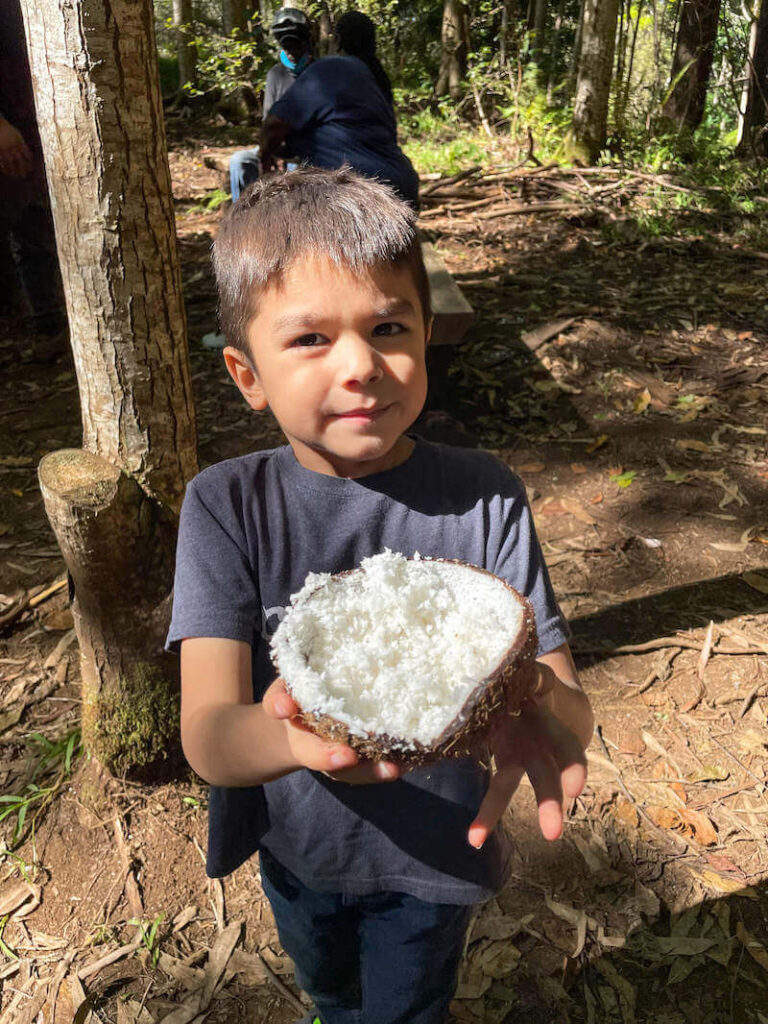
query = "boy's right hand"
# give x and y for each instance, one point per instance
(336, 760)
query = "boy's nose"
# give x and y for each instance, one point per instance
(360, 361)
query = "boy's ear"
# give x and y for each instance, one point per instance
(243, 373)
(428, 332)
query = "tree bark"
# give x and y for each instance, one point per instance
(537, 27)
(455, 49)
(753, 115)
(593, 84)
(186, 51)
(692, 63)
(233, 16)
(118, 546)
(95, 76)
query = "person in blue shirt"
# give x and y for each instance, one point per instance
(292, 31)
(339, 112)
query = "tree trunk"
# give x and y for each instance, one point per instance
(573, 69)
(593, 84)
(233, 16)
(455, 48)
(537, 27)
(692, 63)
(753, 115)
(113, 505)
(183, 16)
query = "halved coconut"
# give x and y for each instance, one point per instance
(407, 660)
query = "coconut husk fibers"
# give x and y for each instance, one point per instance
(500, 693)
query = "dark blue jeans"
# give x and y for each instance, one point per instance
(387, 958)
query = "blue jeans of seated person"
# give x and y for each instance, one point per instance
(244, 168)
(386, 958)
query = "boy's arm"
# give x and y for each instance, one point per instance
(547, 740)
(230, 741)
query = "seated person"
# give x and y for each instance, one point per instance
(337, 113)
(292, 31)
(355, 36)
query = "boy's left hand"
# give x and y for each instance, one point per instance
(538, 743)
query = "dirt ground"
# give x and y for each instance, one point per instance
(625, 377)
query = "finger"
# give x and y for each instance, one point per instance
(544, 773)
(500, 791)
(317, 753)
(367, 772)
(574, 779)
(277, 702)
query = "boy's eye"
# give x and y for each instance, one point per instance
(388, 330)
(309, 340)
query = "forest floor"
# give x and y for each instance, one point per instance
(624, 375)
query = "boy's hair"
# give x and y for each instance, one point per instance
(339, 215)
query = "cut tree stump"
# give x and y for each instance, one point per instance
(118, 545)
(453, 315)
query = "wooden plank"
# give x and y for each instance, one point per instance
(453, 315)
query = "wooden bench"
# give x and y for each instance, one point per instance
(453, 315)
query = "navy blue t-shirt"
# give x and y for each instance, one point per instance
(251, 529)
(339, 115)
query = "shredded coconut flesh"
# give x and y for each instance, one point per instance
(396, 647)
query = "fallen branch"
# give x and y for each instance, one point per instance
(508, 211)
(282, 988)
(661, 643)
(442, 182)
(117, 954)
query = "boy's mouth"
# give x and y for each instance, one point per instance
(370, 412)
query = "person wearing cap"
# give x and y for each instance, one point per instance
(339, 112)
(292, 31)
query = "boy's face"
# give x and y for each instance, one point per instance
(340, 360)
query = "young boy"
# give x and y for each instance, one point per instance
(371, 873)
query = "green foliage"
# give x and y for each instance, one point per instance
(5, 949)
(150, 935)
(215, 198)
(52, 765)
(169, 73)
(224, 62)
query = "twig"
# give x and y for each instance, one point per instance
(117, 954)
(738, 762)
(747, 703)
(442, 182)
(282, 988)
(659, 671)
(508, 211)
(660, 643)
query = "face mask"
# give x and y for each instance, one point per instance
(295, 66)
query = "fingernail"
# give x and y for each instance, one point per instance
(283, 707)
(476, 837)
(342, 759)
(385, 771)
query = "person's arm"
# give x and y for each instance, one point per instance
(15, 155)
(230, 741)
(273, 134)
(547, 741)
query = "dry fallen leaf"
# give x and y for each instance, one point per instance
(752, 946)
(722, 883)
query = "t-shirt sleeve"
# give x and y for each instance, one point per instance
(516, 556)
(215, 592)
(309, 99)
(270, 92)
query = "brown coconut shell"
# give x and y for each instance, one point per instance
(502, 692)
